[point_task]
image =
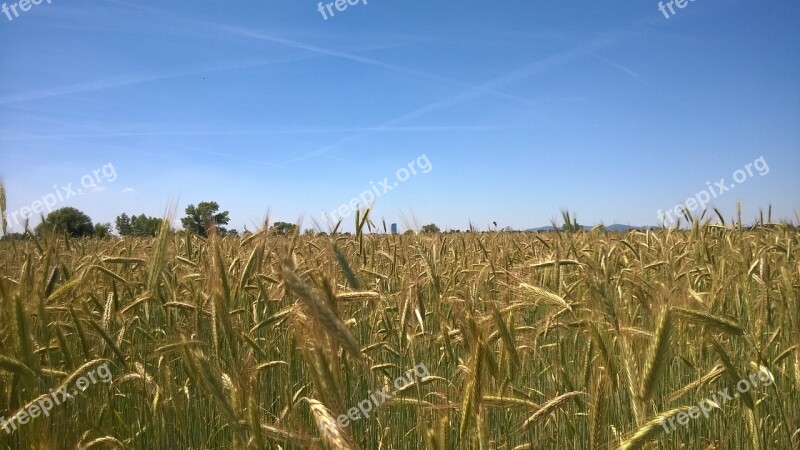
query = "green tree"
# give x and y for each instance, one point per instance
(145, 225)
(102, 230)
(123, 223)
(283, 228)
(140, 225)
(67, 220)
(430, 228)
(201, 218)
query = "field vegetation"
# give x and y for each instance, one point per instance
(557, 340)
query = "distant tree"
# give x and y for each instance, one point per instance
(67, 220)
(140, 225)
(431, 228)
(145, 226)
(201, 218)
(232, 232)
(102, 230)
(283, 228)
(123, 223)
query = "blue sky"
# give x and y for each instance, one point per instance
(522, 108)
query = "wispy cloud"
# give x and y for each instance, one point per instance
(316, 49)
(618, 66)
(550, 62)
(128, 80)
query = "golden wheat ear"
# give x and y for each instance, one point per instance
(333, 437)
(548, 408)
(598, 413)
(322, 313)
(658, 356)
(650, 430)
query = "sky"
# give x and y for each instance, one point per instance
(444, 112)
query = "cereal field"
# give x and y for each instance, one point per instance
(582, 340)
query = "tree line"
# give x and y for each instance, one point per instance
(200, 219)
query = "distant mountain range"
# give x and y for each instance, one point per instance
(615, 228)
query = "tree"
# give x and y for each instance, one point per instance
(201, 218)
(124, 227)
(283, 228)
(102, 230)
(145, 226)
(140, 225)
(431, 228)
(67, 220)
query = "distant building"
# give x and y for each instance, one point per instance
(394, 228)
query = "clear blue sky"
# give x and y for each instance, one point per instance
(522, 108)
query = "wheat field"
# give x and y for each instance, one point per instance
(580, 340)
